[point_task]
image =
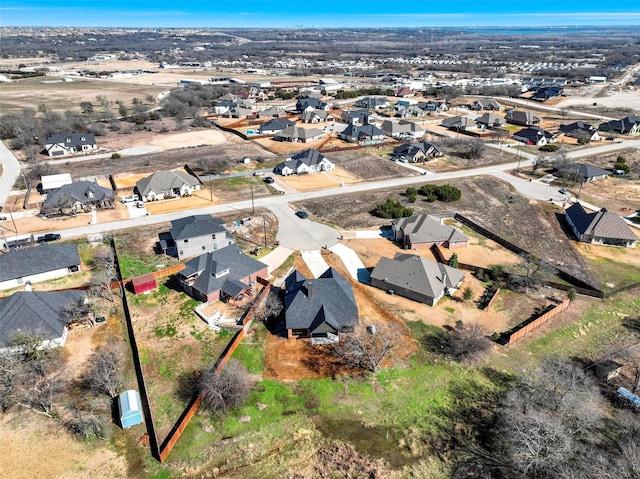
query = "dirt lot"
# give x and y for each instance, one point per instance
(37, 224)
(368, 164)
(319, 181)
(529, 224)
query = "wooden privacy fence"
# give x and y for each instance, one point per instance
(526, 327)
(192, 408)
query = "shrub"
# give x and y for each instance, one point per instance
(391, 209)
(116, 156)
(549, 147)
(448, 193)
(623, 167)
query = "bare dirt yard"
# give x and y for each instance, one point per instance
(533, 225)
(368, 164)
(37, 224)
(337, 177)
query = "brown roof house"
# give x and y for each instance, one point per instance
(423, 231)
(601, 227)
(416, 278)
(321, 308)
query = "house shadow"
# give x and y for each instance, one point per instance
(565, 226)
(364, 275)
(165, 245)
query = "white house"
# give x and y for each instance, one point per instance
(60, 145)
(166, 184)
(308, 161)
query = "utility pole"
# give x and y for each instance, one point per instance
(211, 189)
(253, 208)
(264, 230)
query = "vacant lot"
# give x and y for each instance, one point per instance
(487, 201)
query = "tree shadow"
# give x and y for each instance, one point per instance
(187, 386)
(632, 324)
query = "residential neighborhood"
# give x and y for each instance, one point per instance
(319, 252)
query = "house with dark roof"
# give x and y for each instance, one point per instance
(434, 106)
(546, 93)
(372, 102)
(307, 161)
(165, 184)
(361, 134)
(308, 104)
(585, 173)
(601, 227)
(402, 129)
(460, 123)
(199, 234)
(223, 106)
(41, 313)
(416, 278)
(321, 308)
(38, 263)
(629, 125)
(534, 136)
(523, 118)
(414, 152)
(316, 116)
(581, 131)
(76, 197)
(297, 134)
(70, 143)
(220, 275)
(486, 104)
(356, 117)
(275, 125)
(423, 231)
(490, 120)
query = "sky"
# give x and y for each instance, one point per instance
(314, 13)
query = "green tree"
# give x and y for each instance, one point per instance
(86, 107)
(453, 261)
(467, 293)
(448, 193)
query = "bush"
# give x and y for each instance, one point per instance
(226, 390)
(116, 156)
(549, 147)
(623, 167)
(448, 193)
(392, 209)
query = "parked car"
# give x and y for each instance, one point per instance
(48, 237)
(564, 191)
(268, 179)
(258, 173)
(302, 214)
(129, 198)
(100, 319)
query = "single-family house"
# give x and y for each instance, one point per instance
(404, 92)
(307, 161)
(372, 102)
(272, 112)
(361, 134)
(402, 130)
(585, 173)
(238, 112)
(222, 274)
(423, 231)
(320, 309)
(629, 125)
(490, 120)
(70, 143)
(601, 227)
(38, 263)
(165, 184)
(434, 106)
(198, 234)
(222, 107)
(316, 116)
(581, 131)
(416, 278)
(546, 93)
(356, 117)
(486, 104)
(275, 125)
(460, 123)
(410, 111)
(534, 136)
(40, 313)
(522, 118)
(298, 134)
(414, 152)
(308, 104)
(76, 197)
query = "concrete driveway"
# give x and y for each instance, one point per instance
(316, 263)
(302, 234)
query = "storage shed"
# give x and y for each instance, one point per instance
(143, 284)
(130, 408)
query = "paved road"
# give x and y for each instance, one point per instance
(534, 105)
(301, 234)
(10, 171)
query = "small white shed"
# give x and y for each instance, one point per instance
(130, 408)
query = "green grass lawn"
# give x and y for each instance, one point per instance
(613, 275)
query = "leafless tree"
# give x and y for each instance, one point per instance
(11, 370)
(225, 390)
(86, 424)
(104, 273)
(466, 342)
(270, 308)
(538, 163)
(363, 349)
(39, 392)
(475, 148)
(105, 370)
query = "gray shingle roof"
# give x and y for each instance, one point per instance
(424, 229)
(490, 119)
(164, 180)
(414, 273)
(360, 132)
(38, 259)
(589, 171)
(31, 312)
(196, 225)
(327, 299)
(72, 140)
(296, 132)
(228, 258)
(276, 124)
(86, 192)
(601, 224)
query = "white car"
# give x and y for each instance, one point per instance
(129, 198)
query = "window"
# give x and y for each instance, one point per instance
(203, 247)
(186, 241)
(215, 246)
(213, 236)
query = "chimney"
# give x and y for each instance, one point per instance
(309, 288)
(444, 279)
